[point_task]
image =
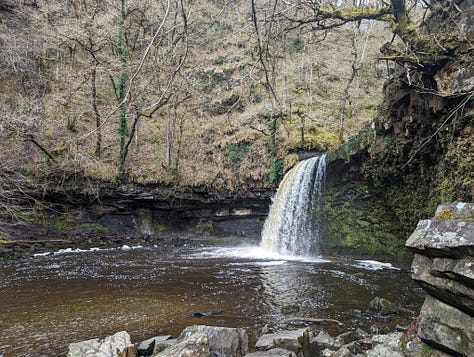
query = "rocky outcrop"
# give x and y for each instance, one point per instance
(444, 266)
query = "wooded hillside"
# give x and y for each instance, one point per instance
(174, 92)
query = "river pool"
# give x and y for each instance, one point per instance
(47, 302)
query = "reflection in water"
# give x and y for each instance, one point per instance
(48, 302)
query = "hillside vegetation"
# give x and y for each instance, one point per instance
(173, 92)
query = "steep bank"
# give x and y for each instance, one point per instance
(417, 152)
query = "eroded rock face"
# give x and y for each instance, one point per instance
(444, 266)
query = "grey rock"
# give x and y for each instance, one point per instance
(461, 270)
(417, 348)
(384, 351)
(382, 306)
(445, 327)
(322, 341)
(347, 337)
(292, 340)
(220, 341)
(361, 333)
(275, 352)
(153, 345)
(342, 352)
(458, 210)
(389, 339)
(195, 345)
(442, 238)
(444, 267)
(435, 276)
(110, 346)
(348, 350)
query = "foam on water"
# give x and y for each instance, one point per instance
(261, 255)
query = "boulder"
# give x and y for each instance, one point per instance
(444, 267)
(446, 327)
(195, 345)
(348, 337)
(117, 345)
(292, 340)
(322, 341)
(382, 306)
(215, 341)
(387, 345)
(153, 345)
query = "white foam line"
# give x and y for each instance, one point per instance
(375, 265)
(255, 253)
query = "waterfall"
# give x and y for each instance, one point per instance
(293, 225)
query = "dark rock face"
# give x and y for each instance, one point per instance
(444, 266)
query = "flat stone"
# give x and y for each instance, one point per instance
(461, 270)
(434, 275)
(445, 327)
(111, 346)
(459, 210)
(275, 352)
(443, 238)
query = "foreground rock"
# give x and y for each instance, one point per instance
(201, 341)
(117, 345)
(444, 266)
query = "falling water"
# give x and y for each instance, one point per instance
(293, 224)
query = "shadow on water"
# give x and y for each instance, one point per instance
(48, 302)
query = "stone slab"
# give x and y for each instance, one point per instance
(443, 238)
(435, 277)
(446, 328)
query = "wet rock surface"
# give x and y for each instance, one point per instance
(444, 266)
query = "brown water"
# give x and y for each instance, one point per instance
(48, 302)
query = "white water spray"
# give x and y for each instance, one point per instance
(293, 225)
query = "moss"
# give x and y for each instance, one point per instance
(425, 351)
(361, 222)
(64, 223)
(315, 138)
(446, 215)
(354, 145)
(206, 228)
